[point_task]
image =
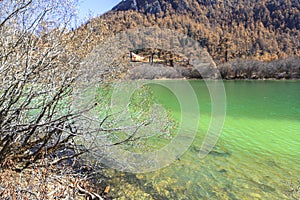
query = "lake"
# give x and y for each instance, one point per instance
(256, 157)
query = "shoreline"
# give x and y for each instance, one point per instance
(197, 79)
(239, 69)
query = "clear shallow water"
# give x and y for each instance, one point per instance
(256, 157)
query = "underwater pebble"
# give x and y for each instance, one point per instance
(255, 195)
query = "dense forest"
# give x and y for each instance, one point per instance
(262, 30)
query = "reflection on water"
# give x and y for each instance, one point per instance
(256, 157)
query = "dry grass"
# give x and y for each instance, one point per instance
(45, 183)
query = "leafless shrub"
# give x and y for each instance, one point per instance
(252, 69)
(39, 63)
(36, 73)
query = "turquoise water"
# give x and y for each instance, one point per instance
(256, 157)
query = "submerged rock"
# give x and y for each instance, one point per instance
(222, 171)
(216, 153)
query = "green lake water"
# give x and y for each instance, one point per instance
(256, 157)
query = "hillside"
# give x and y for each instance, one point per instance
(231, 31)
(256, 29)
